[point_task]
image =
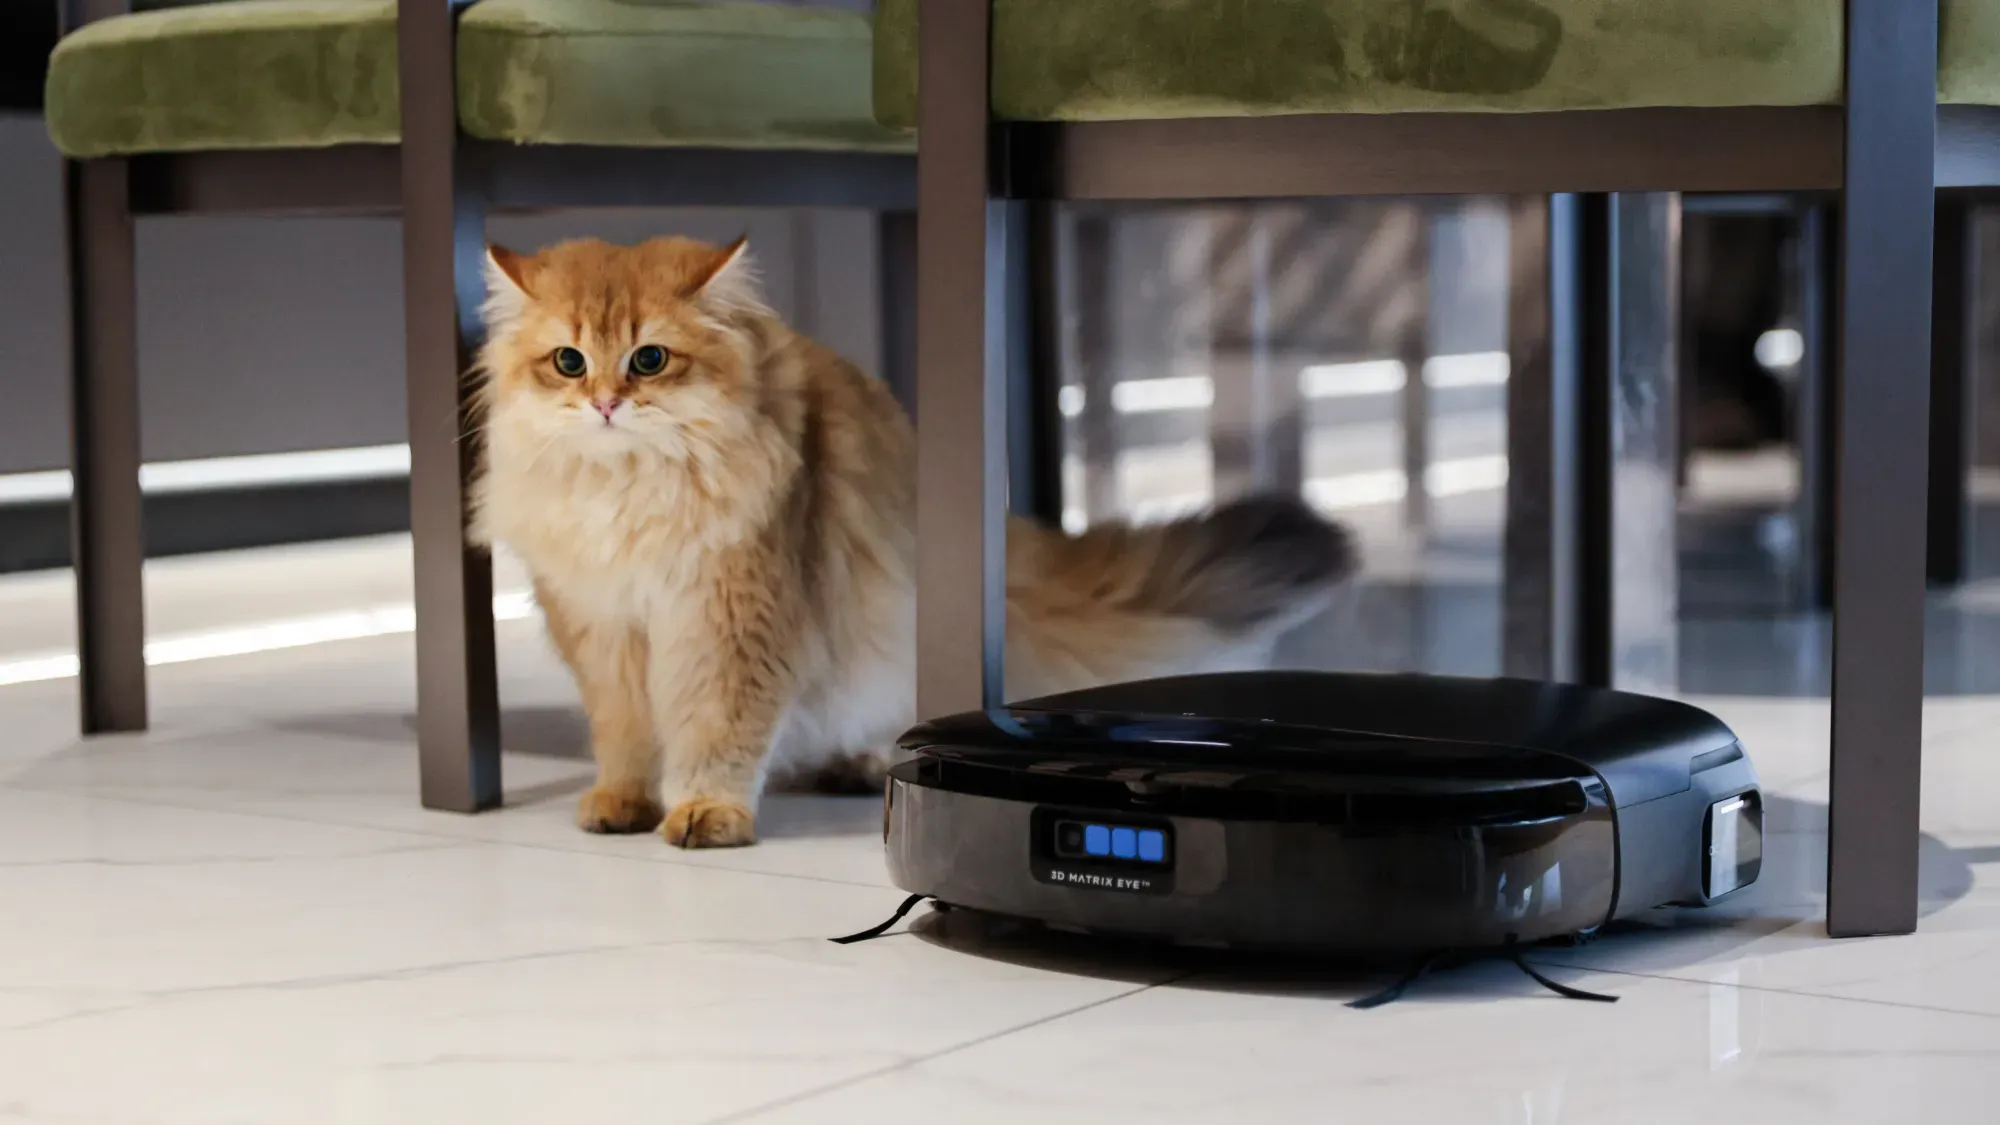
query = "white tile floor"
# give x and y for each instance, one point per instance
(243, 917)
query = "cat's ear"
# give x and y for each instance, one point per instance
(729, 277)
(506, 285)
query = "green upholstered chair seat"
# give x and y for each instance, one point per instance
(1083, 60)
(250, 74)
(1969, 52)
(1094, 60)
(310, 73)
(668, 72)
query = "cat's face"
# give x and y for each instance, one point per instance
(597, 350)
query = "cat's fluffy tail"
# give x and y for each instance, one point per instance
(1208, 592)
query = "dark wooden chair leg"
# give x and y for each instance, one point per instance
(1882, 421)
(107, 526)
(1592, 436)
(961, 364)
(458, 716)
(1952, 349)
(1818, 272)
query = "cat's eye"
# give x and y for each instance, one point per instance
(569, 362)
(649, 360)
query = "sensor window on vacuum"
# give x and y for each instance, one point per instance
(1081, 839)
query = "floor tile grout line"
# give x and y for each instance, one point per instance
(1769, 990)
(853, 1080)
(431, 835)
(150, 997)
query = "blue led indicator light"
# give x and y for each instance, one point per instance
(1096, 839)
(1124, 843)
(1152, 845)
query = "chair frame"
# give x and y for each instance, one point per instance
(1882, 152)
(443, 185)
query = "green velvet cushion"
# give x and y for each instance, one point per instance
(1083, 60)
(310, 73)
(1969, 51)
(668, 73)
(244, 74)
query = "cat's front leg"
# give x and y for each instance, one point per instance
(720, 677)
(608, 659)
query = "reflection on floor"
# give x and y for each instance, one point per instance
(242, 916)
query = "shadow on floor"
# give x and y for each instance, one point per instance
(560, 734)
(541, 732)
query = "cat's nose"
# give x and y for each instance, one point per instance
(607, 406)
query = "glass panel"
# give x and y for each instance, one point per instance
(1645, 272)
(1213, 351)
(1985, 398)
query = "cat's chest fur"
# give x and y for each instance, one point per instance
(617, 545)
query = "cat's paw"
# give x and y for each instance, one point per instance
(702, 822)
(618, 810)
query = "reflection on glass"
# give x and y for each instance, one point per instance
(1337, 350)
(1984, 487)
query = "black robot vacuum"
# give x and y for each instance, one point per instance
(1327, 813)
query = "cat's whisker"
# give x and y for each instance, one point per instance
(536, 457)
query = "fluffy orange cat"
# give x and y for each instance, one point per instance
(717, 515)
